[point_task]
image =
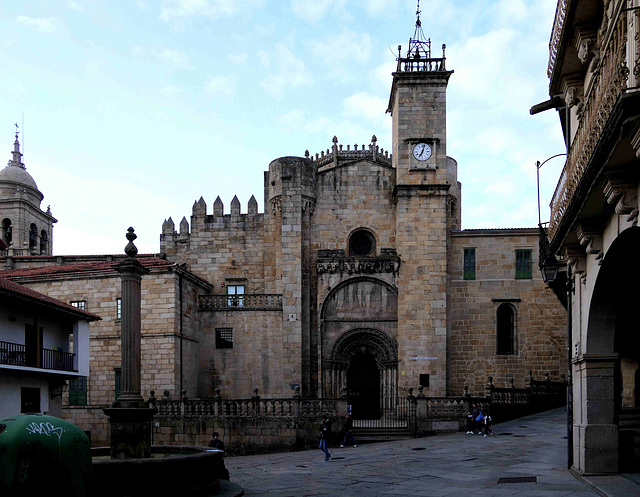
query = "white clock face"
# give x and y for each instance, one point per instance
(422, 151)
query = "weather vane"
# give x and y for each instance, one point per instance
(16, 125)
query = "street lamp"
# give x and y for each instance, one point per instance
(538, 166)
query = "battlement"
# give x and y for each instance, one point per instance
(338, 154)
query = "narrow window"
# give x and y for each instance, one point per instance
(43, 242)
(224, 338)
(118, 382)
(523, 264)
(470, 264)
(235, 295)
(80, 304)
(78, 391)
(29, 400)
(118, 308)
(6, 230)
(505, 319)
(33, 236)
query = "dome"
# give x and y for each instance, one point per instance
(17, 174)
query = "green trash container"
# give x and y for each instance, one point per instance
(43, 455)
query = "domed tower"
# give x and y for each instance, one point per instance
(26, 228)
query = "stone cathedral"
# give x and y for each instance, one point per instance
(358, 275)
(356, 278)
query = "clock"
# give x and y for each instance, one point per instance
(422, 151)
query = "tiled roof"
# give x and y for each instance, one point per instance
(84, 268)
(9, 287)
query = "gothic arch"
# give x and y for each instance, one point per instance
(478, 372)
(543, 354)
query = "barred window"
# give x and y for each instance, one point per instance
(524, 264)
(118, 308)
(78, 391)
(79, 304)
(224, 338)
(469, 264)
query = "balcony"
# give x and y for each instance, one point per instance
(15, 354)
(607, 83)
(246, 302)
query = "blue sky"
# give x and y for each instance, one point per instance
(134, 109)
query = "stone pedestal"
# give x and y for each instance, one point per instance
(130, 431)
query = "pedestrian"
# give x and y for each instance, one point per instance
(470, 423)
(348, 432)
(218, 444)
(477, 418)
(325, 434)
(488, 425)
(215, 442)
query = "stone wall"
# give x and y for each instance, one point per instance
(540, 327)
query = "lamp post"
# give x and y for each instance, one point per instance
(549, 266)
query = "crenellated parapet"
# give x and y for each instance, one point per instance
(201, 221)
(340, 154)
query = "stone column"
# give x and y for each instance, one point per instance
(130, 417)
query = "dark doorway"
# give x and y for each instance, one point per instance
(33, 345)
(363, 386)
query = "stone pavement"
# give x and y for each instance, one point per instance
(446, 465)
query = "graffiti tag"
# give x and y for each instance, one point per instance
(45, 429)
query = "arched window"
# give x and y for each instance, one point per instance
(506, 327)
(43, 242)
(6, 230)
(33, 236)
(362, 243)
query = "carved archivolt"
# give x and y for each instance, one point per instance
(382, 347)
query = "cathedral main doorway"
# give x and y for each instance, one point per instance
(363, 386)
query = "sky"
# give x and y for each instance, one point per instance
(131, 110)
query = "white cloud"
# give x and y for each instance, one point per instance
(503, 187)
(141, 5)
(175, 57)
(42, 25)
(291, 73)
(264, 58)
(366, 106)
(313, 11)
(381, 7)
(74, 6)
(221, 85)
(171, 56)
(346, 45)
(238, 59)
(173, 10)
(170, 91)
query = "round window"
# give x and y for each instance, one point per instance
(362, 243)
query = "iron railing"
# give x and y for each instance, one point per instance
(247, 302)
(15, 354)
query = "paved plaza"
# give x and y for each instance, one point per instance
(531, 450)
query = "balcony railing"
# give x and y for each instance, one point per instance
(15, 354)
(247, 302)
(609, 82)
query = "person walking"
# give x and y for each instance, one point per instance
(477, 419)
(325, 434)
(348, 432)
(488, 425)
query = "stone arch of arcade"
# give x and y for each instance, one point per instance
(358, 337)
(606, 370)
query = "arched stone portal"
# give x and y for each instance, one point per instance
(605, 371)
(359, 348)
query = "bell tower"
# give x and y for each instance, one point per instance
(424, 178)
(25, 229)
